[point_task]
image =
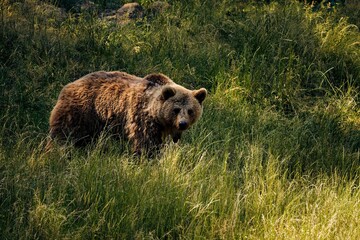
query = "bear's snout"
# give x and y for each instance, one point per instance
(183, 125)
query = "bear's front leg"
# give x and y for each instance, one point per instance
(176, 137)
(150, 146)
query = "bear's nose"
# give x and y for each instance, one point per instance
(183, 125)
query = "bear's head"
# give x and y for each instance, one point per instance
(181, 107)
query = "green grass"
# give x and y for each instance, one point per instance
(275, 155)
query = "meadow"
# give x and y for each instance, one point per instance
(276, 154)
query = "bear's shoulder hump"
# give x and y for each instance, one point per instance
(157, 79)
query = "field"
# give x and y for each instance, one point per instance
(276, 154)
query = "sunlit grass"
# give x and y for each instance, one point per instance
(189, 191)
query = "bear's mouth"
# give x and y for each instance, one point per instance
(182, 128)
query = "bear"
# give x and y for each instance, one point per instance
(144, 111)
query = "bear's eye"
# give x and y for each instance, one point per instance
(177, 110)
(190, 112)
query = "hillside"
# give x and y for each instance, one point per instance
(276, 154)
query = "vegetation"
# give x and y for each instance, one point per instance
(276, 154)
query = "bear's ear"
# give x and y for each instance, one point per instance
(167, 92)
(200, 94)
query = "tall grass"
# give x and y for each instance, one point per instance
(275, 155)
(228, 185)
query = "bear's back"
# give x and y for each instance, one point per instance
(96, 79)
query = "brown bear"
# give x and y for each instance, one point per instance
(143, 110)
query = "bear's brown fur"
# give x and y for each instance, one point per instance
(143, 110)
